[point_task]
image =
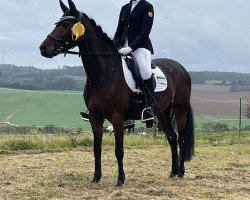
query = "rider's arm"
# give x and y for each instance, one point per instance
(119, 30)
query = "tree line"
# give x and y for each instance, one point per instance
(73, 78)
(31, 78)
(231, 78)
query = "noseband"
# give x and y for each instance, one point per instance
(55, 39)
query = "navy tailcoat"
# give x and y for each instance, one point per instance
(135, 26)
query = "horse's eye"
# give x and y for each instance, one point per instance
(65, 25)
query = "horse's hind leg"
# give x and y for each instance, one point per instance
(180, 115)
(165, 121)
(97, 126)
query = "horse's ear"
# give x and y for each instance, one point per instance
(72, 5)
(64, 7)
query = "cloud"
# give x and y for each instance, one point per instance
(202, 35)
(206, 35)
(3, 37)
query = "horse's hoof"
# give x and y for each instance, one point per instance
(172, 175)
(181, 176)
(95, 180)
(121, 180)
(120, 183)
(181, 172)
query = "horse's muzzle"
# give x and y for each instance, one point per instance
(47, 52)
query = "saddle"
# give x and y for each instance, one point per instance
(139, 100)
(134, 68)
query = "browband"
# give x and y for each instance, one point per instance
(70, 18)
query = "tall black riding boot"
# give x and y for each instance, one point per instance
(148, 114)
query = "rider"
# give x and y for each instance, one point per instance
(132, 36)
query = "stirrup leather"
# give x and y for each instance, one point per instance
(145, 115)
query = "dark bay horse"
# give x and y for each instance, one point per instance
(107, 95)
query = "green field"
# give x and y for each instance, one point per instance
(231, 121)
(40, 108)
(213, 82)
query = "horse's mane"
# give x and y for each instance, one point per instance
(100, 31)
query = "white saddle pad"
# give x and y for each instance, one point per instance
(161, 81)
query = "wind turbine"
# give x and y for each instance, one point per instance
(3, 53)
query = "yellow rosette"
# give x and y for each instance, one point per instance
(77, 31)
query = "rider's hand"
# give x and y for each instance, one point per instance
(125, 50)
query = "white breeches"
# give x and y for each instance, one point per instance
(143, 58)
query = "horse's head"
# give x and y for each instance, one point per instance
(67, 34)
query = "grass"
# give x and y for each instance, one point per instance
(57, 142)
(222, 138)
(52, 142)
(19, 143)
(61, 167)
(231, 121)
(216, 172)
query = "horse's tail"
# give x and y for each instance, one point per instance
(189, 138)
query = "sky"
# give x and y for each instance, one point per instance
(203, 35)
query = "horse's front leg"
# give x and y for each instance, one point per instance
(97, 128)
(117, 121)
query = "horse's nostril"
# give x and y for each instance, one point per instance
(43, 48)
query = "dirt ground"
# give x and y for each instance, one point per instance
(216, 172)
(217, 100)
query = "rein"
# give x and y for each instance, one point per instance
(90, 54)
(65, 51)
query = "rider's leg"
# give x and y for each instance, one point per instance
(143, 57)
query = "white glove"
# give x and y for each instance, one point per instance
(125, 50)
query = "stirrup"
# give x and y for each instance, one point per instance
(147, 115)
(85, 116)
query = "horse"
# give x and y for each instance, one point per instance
(107, 96)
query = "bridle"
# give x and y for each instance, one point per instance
(67, 45)
(65, 48)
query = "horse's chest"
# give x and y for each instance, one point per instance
(98, 106)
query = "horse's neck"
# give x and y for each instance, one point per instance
(99, 68)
